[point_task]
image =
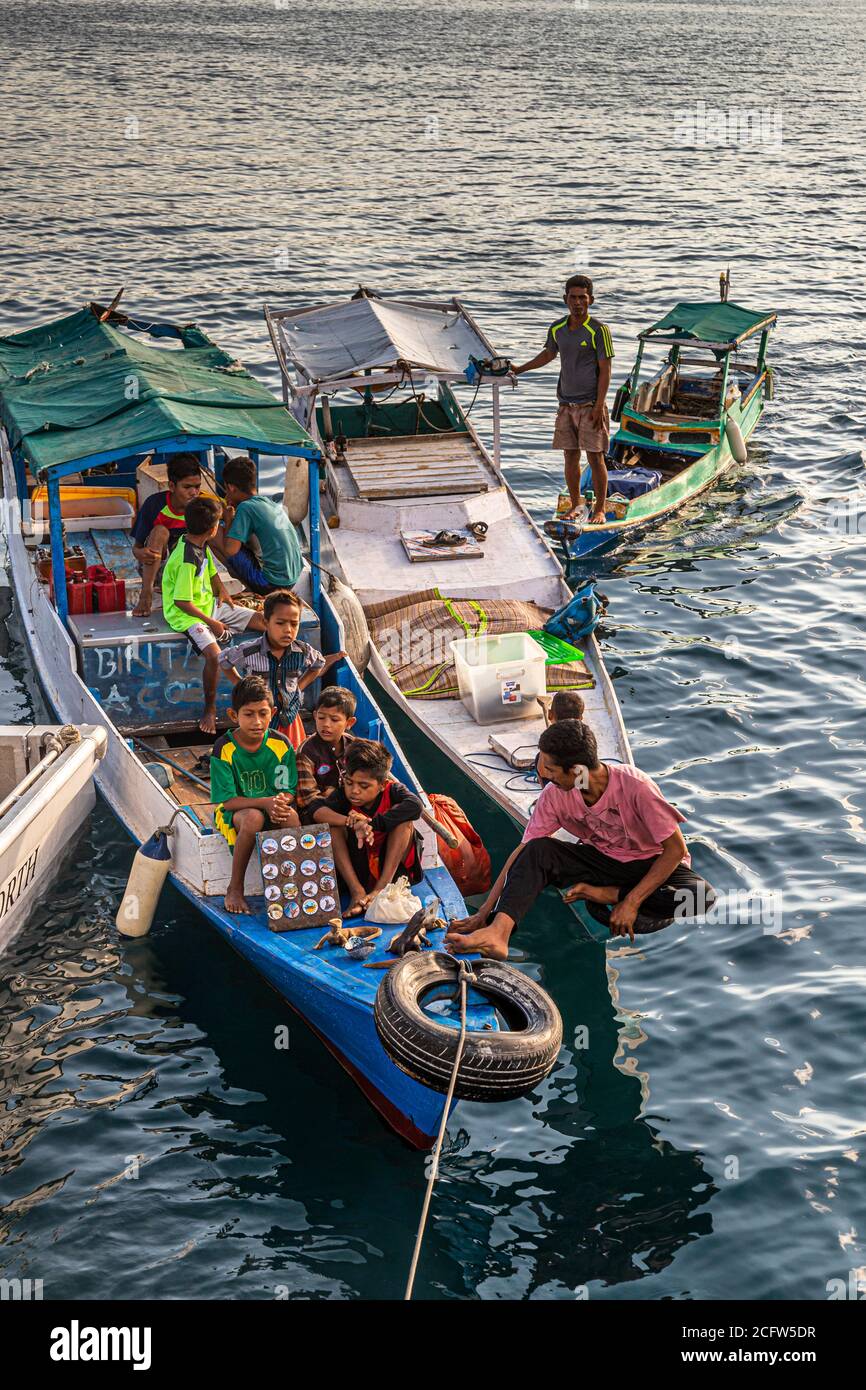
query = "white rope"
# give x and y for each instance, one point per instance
(466, 977)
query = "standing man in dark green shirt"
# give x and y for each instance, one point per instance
(585, 350)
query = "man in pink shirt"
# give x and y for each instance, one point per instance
(631, 865)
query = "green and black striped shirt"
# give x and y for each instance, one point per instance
(580, 351)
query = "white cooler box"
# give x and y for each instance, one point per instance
(500, 677)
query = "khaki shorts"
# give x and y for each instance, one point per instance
(574, 430)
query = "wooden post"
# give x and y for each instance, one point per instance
(327, 423)
(497, 451)
(724, 391)
(635, 376)
(58, 562)
(20, 477)
(315, 537)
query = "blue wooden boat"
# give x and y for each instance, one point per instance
(371, 379)
(683, 426)
(91, 406)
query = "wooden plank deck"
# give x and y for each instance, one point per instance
(416, 465)
(184, 791)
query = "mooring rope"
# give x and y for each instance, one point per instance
(466, 978)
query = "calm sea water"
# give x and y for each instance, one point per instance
(708, 1138)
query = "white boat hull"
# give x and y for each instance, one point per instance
(45, 818)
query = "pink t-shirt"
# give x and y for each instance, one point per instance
(629, 820)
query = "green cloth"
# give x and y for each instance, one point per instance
(234, 771)
(77, 387)
(281, 560)
(557, 652)
(715, 322)
(187, 576)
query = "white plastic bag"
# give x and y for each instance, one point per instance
(394, 904)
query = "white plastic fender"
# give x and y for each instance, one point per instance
(150, 869)
(736, 441)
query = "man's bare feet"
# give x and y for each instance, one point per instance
(464, 925)
(491, 942)
(592, 893)
(207, 723)
(597, 516)
(143, 608)
(235, 901)
(576, 512)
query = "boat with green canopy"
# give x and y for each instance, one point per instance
(683, 420)
(92, 406)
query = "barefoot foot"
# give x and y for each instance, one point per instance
(592, 893)
(464, 925)
(491, 942)
(235, 901)
(577, 512)
(207, 723)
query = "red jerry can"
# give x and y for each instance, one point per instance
(109, 594)
(79, 593)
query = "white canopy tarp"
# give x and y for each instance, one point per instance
(333, 342)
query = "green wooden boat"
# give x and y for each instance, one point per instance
(682, 426)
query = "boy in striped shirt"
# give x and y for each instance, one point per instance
(287, 664)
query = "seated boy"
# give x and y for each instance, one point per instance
(159, 524)
(372, 822)
(565, 704)
(248, 517)
(252, 779)
(195, 601)
(322, 757)
(287, 664)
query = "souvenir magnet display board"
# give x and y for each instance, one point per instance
(299, 877)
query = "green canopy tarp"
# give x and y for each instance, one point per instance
(715, 322)
(77, 387)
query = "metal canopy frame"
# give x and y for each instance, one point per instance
(176, 444)
(392, 373)
(689, 339)
(389, 373)
(52, 474)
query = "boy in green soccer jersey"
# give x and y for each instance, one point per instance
(253, 780)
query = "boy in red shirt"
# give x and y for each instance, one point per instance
(159, 524)
(372, 820)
